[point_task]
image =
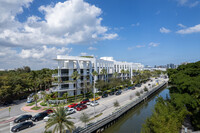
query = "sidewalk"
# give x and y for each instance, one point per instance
(28, 108)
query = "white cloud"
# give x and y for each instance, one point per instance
(137, 46)
(83, 54)
(189, 3)
(69, 22)
(164, 30)
(194, 4)
(92, 48)
(137, 24)
(153, 44)
(181, 25)
(190, 30)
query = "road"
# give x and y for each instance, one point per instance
(105, 106)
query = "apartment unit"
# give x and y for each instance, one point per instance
(85, 66)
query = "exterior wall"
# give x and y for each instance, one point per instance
(85, 66)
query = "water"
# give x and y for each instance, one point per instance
(133, 120)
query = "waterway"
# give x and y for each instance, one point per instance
(133, 120)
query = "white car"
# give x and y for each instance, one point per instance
(94, 103)
(48, 116)
(70, 111)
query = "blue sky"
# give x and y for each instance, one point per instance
(151, 32)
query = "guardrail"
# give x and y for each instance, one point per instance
(97, 125)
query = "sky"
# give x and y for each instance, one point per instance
(151, 32)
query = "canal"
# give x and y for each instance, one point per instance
(133, 120)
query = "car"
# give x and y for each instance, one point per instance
(70, 111)
(112, 93)
(22, 126)
(85, 101)
(39, 116)
(22, 118)
(78, 105)
(46, 118)
(125, 89)
(104, 95)
(118, 92)
(30, 100)
(149, 84)
(72, 105)
(97, 98)
(48, 111)
(133, 88)
(81, 107)
(94, 103)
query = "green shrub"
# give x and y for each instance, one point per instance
(43, 104)
(137, 94)
(35, 108)
(146, 89)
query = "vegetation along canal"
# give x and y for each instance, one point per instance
(133, 120)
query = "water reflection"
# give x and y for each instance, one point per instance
(133, 120)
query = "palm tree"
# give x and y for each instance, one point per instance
(75, 75)
(94, 74)
(65, 96)
(84, 118)
(127, 72)
(60, 120)
(43, 93)
(115, 74)
(35, 97)
(122, 72)
(104, 72)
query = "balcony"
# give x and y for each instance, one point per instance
(63, 82)
(56, 89)
(60, 75)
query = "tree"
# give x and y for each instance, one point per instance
(104, 72)
(60, 120)
(75, 75)
(115, 74)
(137, 94)
(35, 97)
(84, 118)
(127, 72)
(122, 72)
(145, 88)
(43, 93)
(116, 104)
(65, 96)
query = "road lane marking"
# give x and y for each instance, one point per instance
(4, 108)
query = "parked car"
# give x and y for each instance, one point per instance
(30, 100)
(48, 111)
(70, 111)
(85, 101)
(125, 89)
(112, 93)
(81, 107)
(39, 116)
(78, 105)
(118, 92)
(22, 118)
(72, 105)
(133, 88)
(97, 98)
(46, 118)
(22, 126)
(104, 95)
(94, 103)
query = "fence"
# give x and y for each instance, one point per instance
(97, 125)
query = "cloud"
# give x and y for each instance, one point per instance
(137, 24)
(189, 3)
(164, 30)
(83, 54)
(190, 30)
(92, 48)
(181, 25)
(69, 22)
(153, 44)
(137, 46)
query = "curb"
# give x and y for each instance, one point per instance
(7, 120)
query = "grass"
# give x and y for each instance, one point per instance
(43, 104)
(95, 116)
(35, 108)
(30, 104)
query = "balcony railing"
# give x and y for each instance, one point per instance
(60, 75)
(63, 82)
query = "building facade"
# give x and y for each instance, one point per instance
(85, 66)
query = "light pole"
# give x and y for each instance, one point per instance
(93, 75)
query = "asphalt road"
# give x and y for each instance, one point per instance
(105, 106)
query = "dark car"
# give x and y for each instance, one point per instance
(133, 88)
(22, 118)
(39, 116)
(81, 107)
(104, 95)
(112, 93)
(118, 92)
(78, 105)
(22, 126)
(85, 101)
(48, 111)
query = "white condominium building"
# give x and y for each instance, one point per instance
(85, 66)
